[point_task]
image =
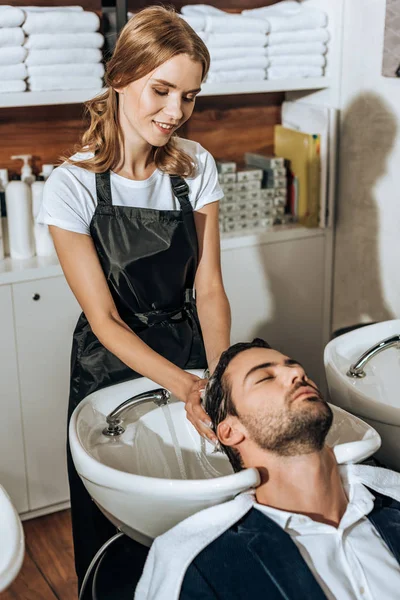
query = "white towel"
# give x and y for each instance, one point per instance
(65, 21)
(235, 24)
(202, 9)
(47, 8)
(296, 71)
(196, 22)
(245, 62)
(236, 76)
(11, 16)
(40, 84)
(10, 72)
(40, 41)
(78, 70)
(304, 35)
(12, 55)
(11, 36)
(237, 52)
(16, 85)
(63, 56)
(289, 60)
(301, 48)
(286, 9)
(172, 553)
(280, 19)
(227, 40)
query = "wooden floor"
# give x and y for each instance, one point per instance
(48, 571)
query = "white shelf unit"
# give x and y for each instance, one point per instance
(208, 89)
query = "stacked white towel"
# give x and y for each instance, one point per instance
(237, 44)
(63, 48)
(297, 39)
(12, 52)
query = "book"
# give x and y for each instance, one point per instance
(303, 152)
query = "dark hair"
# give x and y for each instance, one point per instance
(218, 397)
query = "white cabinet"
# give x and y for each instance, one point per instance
(12, 461)
(45, 313)
(277, 292)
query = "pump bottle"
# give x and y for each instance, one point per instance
(4, 245)
(43, 240)
(19, 212)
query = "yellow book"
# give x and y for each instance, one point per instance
(302, 150)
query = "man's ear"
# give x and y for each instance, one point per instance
(229, 432)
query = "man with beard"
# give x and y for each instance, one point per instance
(313, 529)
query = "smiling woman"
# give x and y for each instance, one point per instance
(134, 238)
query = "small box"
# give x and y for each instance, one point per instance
(228, 187)
(264, 161)
(249, 174)
(226, 166)
(280, 193)
(248, 186)
(276, 182)
(253, 196)
(266, 194)
(280, 201)
(230, 207)
(227, 177)
(278, 211)
(228, 197)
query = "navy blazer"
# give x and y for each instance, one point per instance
(256, 558)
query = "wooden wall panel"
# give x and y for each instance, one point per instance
(229, 126)
(87, 4)
(46, 132)
(227, 5)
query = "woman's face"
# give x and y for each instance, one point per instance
(153, 107)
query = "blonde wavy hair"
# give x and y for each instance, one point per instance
(150, 38)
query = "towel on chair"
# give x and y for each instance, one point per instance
(233, 64)
(281, 72)
(63, 21)
(40, 84)
(237, 52)
(11, 72)
(12, 55)
(78, 70)
(11, 36)
(14, 85)
(227, 40)
(63, 56)
(301, 48)
(308, 60)
(41, 41)
(11, 16)
(173, 552)
(235, 76)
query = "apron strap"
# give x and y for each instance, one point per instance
(181, 191)
(103, 189)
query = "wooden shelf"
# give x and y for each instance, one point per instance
(209, 89)
(16, 271)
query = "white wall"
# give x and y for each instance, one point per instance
(367, 249)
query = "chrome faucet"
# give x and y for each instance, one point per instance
(159, 396)
(357, 368)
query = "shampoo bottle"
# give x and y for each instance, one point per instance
(19, 213)
(43, 240)
(4, 246)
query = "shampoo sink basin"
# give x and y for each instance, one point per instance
(143, 485)
(11, 541)
(375, 397)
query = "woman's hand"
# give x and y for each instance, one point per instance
(195, 412)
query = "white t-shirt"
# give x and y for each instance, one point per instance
(69, 197)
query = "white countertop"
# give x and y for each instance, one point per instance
(39, 267)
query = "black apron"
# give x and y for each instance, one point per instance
(149, 258)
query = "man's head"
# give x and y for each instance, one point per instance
(260, 398)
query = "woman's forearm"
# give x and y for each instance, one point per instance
(215, 320)
(119, 339)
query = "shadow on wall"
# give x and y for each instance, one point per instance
(368, 133)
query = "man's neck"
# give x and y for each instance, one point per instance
(309, 484)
